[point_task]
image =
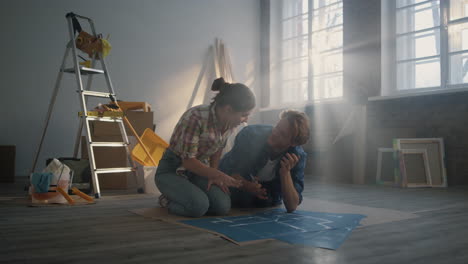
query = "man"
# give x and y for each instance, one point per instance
(270, 163)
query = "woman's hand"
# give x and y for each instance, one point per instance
(288, 162)
(214, 175)
(223, 181)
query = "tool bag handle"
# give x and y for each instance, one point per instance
(75, 23)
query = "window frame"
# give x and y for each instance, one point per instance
(411, 41)
(393, 91)
(275, 101)
(332, 51)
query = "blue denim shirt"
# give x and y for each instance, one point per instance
(250, 154)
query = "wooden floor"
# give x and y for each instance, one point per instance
(107, 232)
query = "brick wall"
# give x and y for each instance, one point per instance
(439, 115)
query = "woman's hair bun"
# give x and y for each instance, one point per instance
(218, 84)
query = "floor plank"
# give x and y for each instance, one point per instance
(108, 232)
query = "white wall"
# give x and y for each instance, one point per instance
(158, 50)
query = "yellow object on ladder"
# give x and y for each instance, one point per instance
(114, 106)
(89, 43)
(153, 144)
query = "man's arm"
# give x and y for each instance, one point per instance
(291, 198)
(292, 180)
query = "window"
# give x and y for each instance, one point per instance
(458, 42)
(424, 45)
(306, 50)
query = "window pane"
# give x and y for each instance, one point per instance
(458, 37)
(418, 17)
(328, 87)
(322, 3)
(294, 52)
(418, 45)
(458, 9)
(327, 17)
(295, 48)
(294, 91)
(403, 3)
(459, 68)
(418, 74)
(294, 7)
(327, 63)
(294, 27)
(327, 39)
(294, 69)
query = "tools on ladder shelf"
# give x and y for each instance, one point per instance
(96, 48)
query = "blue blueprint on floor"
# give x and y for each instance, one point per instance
(325, 230)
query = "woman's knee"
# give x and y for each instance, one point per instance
(221, 205)
(198, 206)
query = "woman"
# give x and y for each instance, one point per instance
(188, 175)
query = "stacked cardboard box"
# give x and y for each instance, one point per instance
(111, 157)
(7, 163)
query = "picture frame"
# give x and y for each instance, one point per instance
(414, 168)
(385, 167)
(435, 156)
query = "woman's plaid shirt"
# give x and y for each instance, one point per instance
(198, 134)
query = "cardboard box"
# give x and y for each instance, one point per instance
(113, 157)
(7, 163)
(139, 120)
(110, 157)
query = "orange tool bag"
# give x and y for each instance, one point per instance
(86, 42)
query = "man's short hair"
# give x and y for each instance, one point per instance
(300, 124)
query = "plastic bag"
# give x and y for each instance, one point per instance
(149, 184)
(62, 176)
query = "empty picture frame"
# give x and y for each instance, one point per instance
(435, 157)
(385, 167)
(414, 168)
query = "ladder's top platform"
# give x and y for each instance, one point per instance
(85, 70)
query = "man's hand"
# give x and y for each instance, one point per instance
(255, 188)
(288, 162)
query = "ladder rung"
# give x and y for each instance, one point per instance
(114, 170)
(102, 114)
(108, 144)
(96, 94)
(104, 119)
(85, 70)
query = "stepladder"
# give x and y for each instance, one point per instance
(90, 44)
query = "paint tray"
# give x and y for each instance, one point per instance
(155, 146)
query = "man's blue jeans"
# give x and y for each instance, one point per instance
(187, 194)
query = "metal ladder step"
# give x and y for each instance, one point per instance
(108, 144)
(114, 170)
(84, 70)
(117, 119)
(96, 94)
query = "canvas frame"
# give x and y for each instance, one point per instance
(435, 155)
(403, 168)
(380, 153)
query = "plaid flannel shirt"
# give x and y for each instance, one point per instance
(198, 135)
